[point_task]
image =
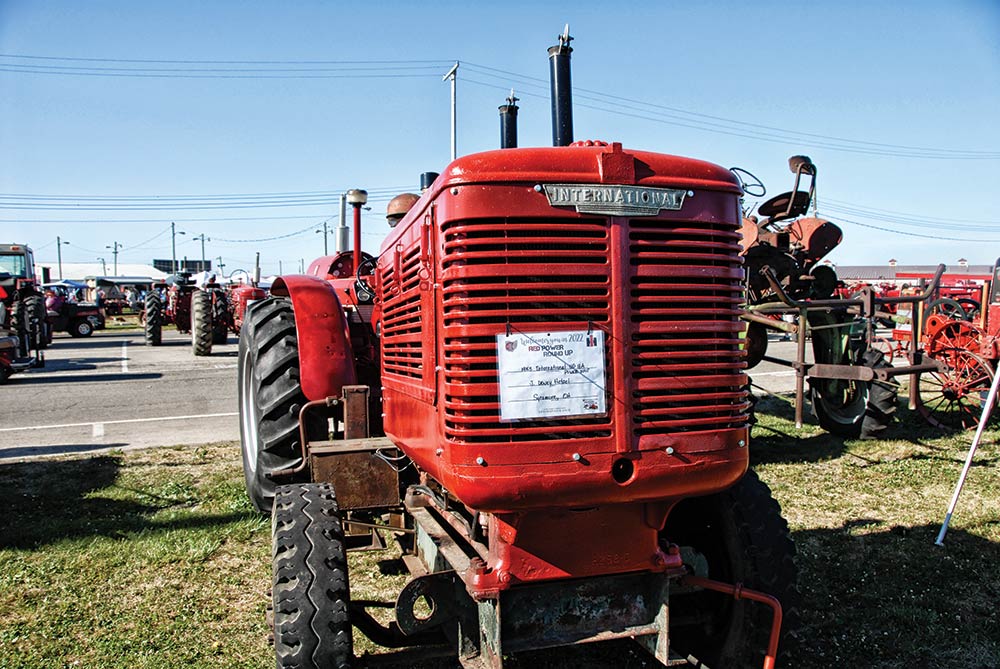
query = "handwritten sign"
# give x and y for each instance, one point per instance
(551, 375)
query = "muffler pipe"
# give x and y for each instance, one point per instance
(508, 123)
(561, 91)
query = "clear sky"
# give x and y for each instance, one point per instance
(118, 117)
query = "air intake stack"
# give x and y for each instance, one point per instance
(562, 91)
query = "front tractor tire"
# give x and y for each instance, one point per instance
(201, 322)
(270, 397)
(153, 319)
(735, 536)
(310, 590)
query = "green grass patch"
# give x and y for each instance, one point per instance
(155, 558)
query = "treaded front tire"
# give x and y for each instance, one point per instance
(270, 398)
(201, 322)
(153, 324)
(310, 589)
(735, 536)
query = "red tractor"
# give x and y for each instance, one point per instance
(240, 294)
(202, 311)
(22, 311)
(538, 390)
(966, 347)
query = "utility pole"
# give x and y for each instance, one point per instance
(104, 267)
(222, 265)
(302, 265)
(280, 271)
(59, 243)
(173, 247)
(114, 252)
(202, 238)
(453, 75)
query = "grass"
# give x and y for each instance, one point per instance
(155, 559)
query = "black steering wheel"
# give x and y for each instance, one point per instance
(751, 185)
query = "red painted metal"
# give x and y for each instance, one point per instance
(326, 358)
(240, 297)
(337, 266)
(739, 592)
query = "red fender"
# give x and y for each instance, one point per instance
(326, 359)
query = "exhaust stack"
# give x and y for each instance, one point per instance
(508, 123)
(562, 91)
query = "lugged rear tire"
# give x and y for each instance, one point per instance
(220, 317)
(36, 314)
(310, 588)
(153, 323)
(201, 322)
(270, 397)
(739, 536)
(856, 409)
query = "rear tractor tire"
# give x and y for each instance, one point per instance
(220, 317)
(153, 319)
(735, 536)
(201, 322)
(270, 397)
(37, 323)
(856, 409)
(310, 589)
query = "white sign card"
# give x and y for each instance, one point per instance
(551, 375)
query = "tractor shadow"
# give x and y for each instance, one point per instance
(774, 438)
(55, 449)
(50, 501)
(875, 595)
(27, 378)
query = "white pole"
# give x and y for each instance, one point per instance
(987, 409)
(453, 75)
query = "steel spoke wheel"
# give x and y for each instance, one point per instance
(952, 398)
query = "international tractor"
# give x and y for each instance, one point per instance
(23, 328)
(537, 390)
(199, 310)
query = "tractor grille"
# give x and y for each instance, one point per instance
(685, 294)
(402, 347)
(681, 291)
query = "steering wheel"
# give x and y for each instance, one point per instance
(242, 273)
(751, 185)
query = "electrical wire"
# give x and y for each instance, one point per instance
(657, 113)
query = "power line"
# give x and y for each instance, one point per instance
(74, 59)
(908, 233)
(709, 123)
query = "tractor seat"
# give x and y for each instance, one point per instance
(775, 209)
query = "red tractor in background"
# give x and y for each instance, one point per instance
(202, 311)
(240, 294)
(538, 389)
(22, 311)
(852, 387)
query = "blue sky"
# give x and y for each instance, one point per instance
(895, 102)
